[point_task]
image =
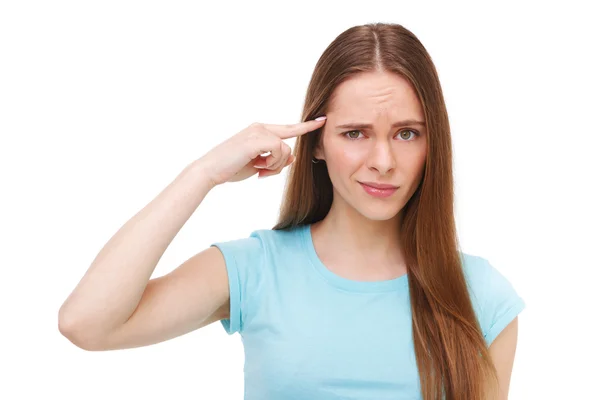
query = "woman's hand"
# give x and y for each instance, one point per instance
(239, 157)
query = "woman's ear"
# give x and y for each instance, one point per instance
(318, 152)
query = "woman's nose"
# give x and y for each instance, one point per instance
(381, 158)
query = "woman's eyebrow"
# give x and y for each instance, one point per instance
(358, 125)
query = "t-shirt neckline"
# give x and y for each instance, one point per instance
(399, 283)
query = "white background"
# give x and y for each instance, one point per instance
(103, 103)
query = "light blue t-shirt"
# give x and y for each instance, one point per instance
(308, 333)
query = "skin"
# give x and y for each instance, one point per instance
(502, 351)
(360, 232)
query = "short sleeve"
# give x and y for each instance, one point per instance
(243, 259)
(500, 302)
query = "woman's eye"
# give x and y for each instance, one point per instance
(409, 130)
(351, 132)
(356, 133)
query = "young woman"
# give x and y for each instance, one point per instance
(360, 291)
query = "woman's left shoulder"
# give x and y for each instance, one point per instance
(479, 271)
(494, 297)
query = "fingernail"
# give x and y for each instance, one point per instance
(321, 118)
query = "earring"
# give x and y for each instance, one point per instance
(315, 161)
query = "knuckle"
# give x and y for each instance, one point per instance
(273, 163)
(276, 163)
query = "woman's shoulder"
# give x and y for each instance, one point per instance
(495, 299)
(480, 271)
(485, 282)
(260, 241)
(476, 268)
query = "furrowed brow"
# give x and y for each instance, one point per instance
(358, 125)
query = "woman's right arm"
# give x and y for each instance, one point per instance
(117, 306)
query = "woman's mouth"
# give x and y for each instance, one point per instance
(380, 191)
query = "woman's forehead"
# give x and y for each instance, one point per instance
(374, 96)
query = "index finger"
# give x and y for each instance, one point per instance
(292, 130)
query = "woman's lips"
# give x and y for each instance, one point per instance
(376, 192)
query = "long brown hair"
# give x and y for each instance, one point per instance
(452, 357)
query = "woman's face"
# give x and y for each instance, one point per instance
(381, 152)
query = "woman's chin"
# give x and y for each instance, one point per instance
(379, 212)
